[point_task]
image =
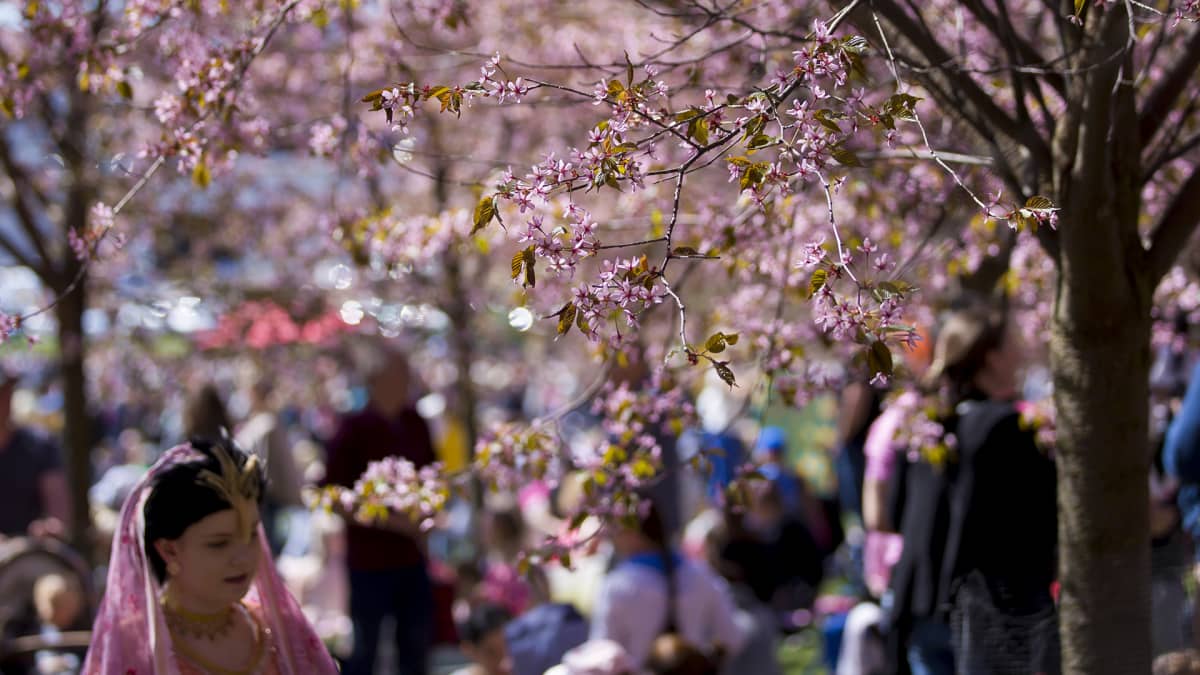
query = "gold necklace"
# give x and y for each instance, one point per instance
(208, 626)
(255, 656)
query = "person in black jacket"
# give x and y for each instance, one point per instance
(980, 525)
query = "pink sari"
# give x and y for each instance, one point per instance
(130, 636)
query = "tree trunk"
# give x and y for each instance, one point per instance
(461, 335)
(77, 434)
(459, 311)
(1100, 359)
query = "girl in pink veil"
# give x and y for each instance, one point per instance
(191, 584)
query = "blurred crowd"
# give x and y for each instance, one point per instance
(933, 553)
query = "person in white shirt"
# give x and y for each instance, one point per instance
(632, 606)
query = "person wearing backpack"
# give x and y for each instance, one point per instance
(653, 592)
(980, 522)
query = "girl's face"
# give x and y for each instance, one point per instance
(214, 566)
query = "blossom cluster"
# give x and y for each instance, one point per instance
(922, 436)
(511, 454)
(391, 239)
(871, 314)
(8, 325)
(633, 418)
(100, 223)
(624, 287)
(564, 245)
(1040, 417)
(389, 487)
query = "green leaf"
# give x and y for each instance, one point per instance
(530, 278)
(566, 318)
(754, 174)
(879, 358)
(755, 126)
(715, 343)
(485, 211)
(759, 141)
(845, 156)
(897, 287)
(441, 93)
(731, 339)
(902, 106)
(320, 17)
(825, 117)
(1039, 202)
(819, 277)
(125, 89)
(857, 67)
(855, 43)
(201, 175)
(8, 107)
(628, 70)
(1079, 6)
(684, 251)
(615, 88)
(578, 520)
(643, 469)
(518, 263)
(725, 373)
(373, 97)
(698, 130)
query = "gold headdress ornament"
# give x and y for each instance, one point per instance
(239, 487)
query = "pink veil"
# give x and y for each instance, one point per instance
(130, 635)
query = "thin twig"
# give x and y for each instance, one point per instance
(917, 118)
(631, 244)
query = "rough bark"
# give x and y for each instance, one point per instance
(1100, 365)
(77, 434)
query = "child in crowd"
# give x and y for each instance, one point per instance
(59, 602)
(539, 638)
(482, 635)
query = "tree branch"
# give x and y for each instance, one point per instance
(1022, 52)
(25, 214)
(1174, 228)
(1162, 98)
(15, 251)
(1180, 150)
(975, 103)
(1170, 150)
